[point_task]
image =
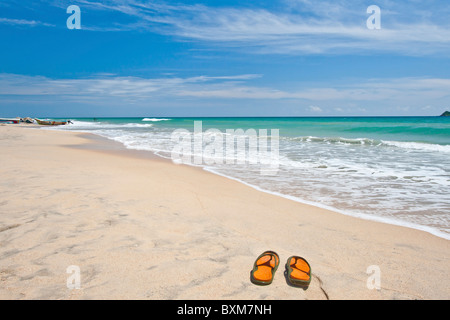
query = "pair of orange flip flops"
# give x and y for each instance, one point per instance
(298, 270)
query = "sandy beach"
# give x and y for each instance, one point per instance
(140, 227)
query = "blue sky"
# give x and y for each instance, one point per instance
(224, 58)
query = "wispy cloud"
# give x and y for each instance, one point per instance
(402, 91)
(315, 109)
(303, 27)
(293, 27)
(104, 86)
(23, 22)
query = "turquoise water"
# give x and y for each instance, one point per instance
(390, 169)
(412, 129)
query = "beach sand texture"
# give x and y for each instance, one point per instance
(139, 227)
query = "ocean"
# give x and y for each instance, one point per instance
(390, 169)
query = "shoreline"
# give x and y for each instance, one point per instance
(363, 216)
(120, 147)
(129, 221)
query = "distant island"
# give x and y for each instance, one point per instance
(446, 114)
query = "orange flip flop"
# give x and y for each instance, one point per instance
(264, 268)
(298, 271)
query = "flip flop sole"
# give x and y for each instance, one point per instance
(272, 254)
(300, 274)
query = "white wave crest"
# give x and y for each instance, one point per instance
(421, 146)
(155, 119)
(418, 146)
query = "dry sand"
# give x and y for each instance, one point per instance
(139, 227)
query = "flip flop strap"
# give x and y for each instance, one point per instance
(267, 263)
(295, 264)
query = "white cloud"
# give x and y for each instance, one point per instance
(291, 27)
(405, 91)
(315, 109)
(23, 22)
(403, 96)
(103, 86)
(303, 27)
